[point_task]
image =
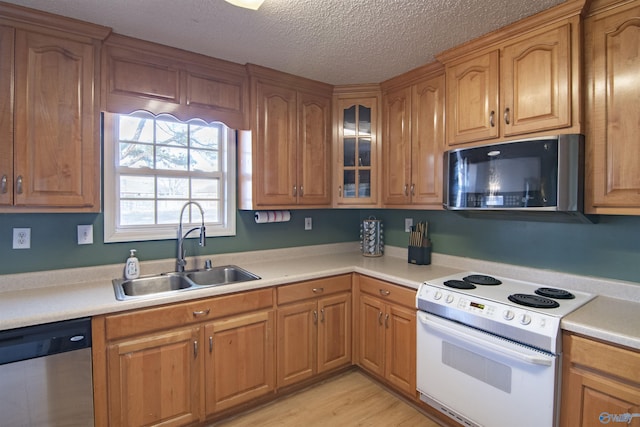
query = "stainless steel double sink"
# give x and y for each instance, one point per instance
(163, 283)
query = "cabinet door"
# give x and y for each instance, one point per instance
(400, 348)
(275, 147)
(334, 332)
(372, 332)
(356, 159)
(536, 82)
(239, 365)
(472, 99)
(155, 380)
(613, 108)
(57, 149)
(297, 340)
(428, 143)
(6, 115)
(397, 147)
(314, 150)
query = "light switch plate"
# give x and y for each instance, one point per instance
(308, 224)
(85, 234)
(408, 223)
(21, 238)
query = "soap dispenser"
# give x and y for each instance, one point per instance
(132, 268)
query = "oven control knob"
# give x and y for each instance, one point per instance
(449, 299)
(508, 315)
(525, 319)
(437, 295)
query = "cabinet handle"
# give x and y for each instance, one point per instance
(315, 317)
(322, 315)
(385, 292)
(295, 191)
(380, 317)
(318, 290)
(339, 190)
(19, 184)
(210, 344)
(413, 189)
(506, 116)
(386, 321)
(201, 312)
(4, 184)
(195, 349)
(406, 188)
(301, 191)
(492, 119)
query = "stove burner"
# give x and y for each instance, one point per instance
(555, 293)
(534, 301)
(480, 279)
(459, 284)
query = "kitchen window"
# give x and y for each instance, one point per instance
(154, 165)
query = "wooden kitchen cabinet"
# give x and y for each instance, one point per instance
(599, 381)
(356, 151)
(521, 79)
(49, 113)
(414, 141)
(612, 178)
(314, 328)
(239, 361)
(387, 333)
(284, 162)
(141, 75)
(155, 379)
(182, 363)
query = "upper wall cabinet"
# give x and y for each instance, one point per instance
(522, 79)
(413, 123)
(356, 148)
(285, 161)
(612, 73)
(140, 75)
(49, 122)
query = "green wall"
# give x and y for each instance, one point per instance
(610, 248)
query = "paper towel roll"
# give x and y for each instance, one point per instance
(263, 217)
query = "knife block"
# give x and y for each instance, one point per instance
(420, 255)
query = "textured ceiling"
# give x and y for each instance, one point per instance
(334, 41)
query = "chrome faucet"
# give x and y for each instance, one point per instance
(181, 261)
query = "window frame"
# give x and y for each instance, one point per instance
(113, 232)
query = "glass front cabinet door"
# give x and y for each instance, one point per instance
(356, 157)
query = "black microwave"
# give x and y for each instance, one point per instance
(531, 178)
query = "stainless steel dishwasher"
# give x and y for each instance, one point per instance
(45, 375)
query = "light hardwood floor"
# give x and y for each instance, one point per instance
(351, 399)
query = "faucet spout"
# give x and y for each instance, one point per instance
(181, 262)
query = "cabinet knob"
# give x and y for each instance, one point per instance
(195, 349)
(19, 184)
(385, 292)
(3, 184)
(301, 191)
(413, 189)
(380, 317)
(295, 191)
(386, 321)
(210, 344)
(201, 312)
(492, 119)
(339, 190)
(318, 290)
(315, 317)
(507, 119)
(322, 315)
(406, 188)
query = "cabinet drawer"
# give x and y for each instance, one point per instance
(614, 360)
(387, 291)
(314, 288)
(160, 318)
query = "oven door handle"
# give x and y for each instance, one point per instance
(483, 342)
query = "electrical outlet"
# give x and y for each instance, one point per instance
(408, 223)
(21, 238)
(85, 234)
(308, 224)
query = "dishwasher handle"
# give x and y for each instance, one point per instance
(43, 340)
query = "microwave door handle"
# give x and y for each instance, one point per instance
(483, 342)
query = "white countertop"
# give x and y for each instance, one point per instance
(42, 297)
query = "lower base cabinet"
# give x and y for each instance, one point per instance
(387, 333)
(600, 384)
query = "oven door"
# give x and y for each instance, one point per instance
(482, 380)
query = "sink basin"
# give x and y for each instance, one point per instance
(222, 275)
(176, 282)
(149, 285)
